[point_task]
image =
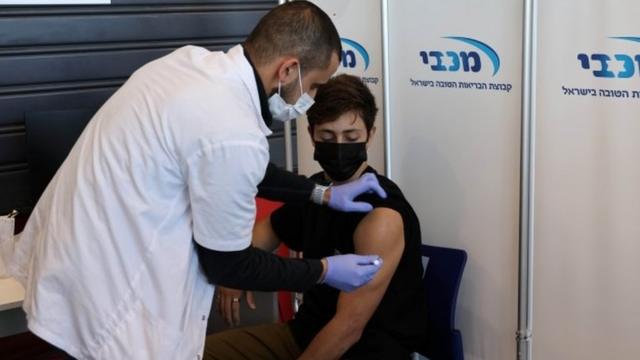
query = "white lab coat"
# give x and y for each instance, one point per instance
(107, 258)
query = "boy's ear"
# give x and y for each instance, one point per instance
(370, 136)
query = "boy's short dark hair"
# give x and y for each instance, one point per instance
(341, 94)
(299, 29)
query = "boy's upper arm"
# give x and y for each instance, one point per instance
(263, 235)
(381, 232)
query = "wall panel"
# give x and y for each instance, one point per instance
(74, 57)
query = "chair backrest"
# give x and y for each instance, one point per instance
(441, 283)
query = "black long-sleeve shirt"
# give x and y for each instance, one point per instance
(255, 269)
(284, 186)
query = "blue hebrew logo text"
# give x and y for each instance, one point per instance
(466, 61)
(349, 54)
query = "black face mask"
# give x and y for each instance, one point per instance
(340, 161)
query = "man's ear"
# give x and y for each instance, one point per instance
(372, 133)
(287, 70)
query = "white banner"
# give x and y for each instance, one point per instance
(455, 144)
(586, 287)
(359, 25)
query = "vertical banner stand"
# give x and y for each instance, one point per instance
(385, 89)
(288, 136)
(527, 174)
(288, 163)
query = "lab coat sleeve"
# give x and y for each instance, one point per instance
(222, 185)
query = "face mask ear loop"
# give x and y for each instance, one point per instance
(300, 80)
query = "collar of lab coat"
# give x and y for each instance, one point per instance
(236, 54)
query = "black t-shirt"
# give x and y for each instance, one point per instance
(398, 326)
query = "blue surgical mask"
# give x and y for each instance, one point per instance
(282, 111)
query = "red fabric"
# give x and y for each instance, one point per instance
(285, 298)
(265, 207)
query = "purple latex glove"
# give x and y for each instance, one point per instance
(349, 272)
(342, 195)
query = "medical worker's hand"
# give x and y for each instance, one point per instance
(341, 196)
(228, 304)
(349, 272)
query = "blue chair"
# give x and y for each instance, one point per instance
(441, 283)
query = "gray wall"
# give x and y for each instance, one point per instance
(75, 57)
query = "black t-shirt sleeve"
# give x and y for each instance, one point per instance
(288, 223)
(376, 202)
(285, 186)
(395, 200)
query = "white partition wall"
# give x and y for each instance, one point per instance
(587, 268)
(359, 25)
(455, 69)
(454, 85)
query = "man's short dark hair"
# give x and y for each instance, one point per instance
(341, 94)
(299, 29)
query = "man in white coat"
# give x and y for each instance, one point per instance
(156, 201)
